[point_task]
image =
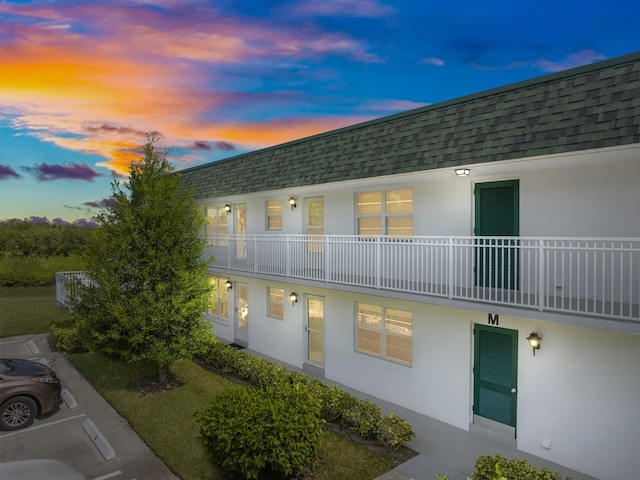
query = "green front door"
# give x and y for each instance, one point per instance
(495, 374)
(497, 215)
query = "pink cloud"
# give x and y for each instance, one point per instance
(573, 60)
(393, 105)
(346, 8)
(438, 62)
(99, 92)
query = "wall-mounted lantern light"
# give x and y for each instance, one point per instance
(293, 296)
(292, 202)
(228, 284)
(227, 208)
(534, 342)
(462, 172)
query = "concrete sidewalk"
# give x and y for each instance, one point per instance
(447, 450)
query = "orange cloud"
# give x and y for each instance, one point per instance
(140, 71)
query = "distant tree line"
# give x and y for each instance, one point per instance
(22, 238)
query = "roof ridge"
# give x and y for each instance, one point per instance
(550, 77)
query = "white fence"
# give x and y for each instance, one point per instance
(67, 285)
(599, 277)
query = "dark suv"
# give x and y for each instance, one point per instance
(27, 389)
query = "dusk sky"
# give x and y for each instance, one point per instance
(82, 82)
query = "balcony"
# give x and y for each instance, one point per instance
(590, 277)
(594, 277)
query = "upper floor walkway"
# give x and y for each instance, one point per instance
(596, 278)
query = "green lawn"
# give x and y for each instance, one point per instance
(25, 310)
(165, 420)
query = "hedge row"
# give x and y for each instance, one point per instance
(497, 467)
(337, 405)
(16, 271)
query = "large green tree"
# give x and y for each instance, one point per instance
(149, 289)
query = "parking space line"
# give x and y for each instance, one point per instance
(109, 475)
(37, 427)
(5, 342)
(33, 347)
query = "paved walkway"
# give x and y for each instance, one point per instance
(447, 450)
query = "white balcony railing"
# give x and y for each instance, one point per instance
(598, 277)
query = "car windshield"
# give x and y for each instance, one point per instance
(6, 367)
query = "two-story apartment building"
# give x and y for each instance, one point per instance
(415, 257)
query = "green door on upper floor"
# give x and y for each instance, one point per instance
(497, 215)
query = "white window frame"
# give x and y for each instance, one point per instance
(387, 329)
(272, 301)
(219, 298)
(385, 213)
(217, 228)
(272, 213)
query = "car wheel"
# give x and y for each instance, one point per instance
(17, 412)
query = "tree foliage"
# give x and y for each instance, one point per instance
(22, 238)
(149, 289)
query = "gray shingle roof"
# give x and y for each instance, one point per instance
(594, 106)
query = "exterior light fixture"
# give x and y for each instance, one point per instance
(534, 342)
(292, 202)
(462, 172)
(293, 296)
(227, 208)
(228, 284)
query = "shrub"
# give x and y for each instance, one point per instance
(65, 337)
(497, 467)
(394, 432)
(271, 433)
(336, 403)
(364, 418)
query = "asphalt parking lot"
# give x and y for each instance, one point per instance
(85, 432)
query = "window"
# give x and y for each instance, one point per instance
(217, 225)
(274, 215)
(315, 224)
(275, 303)
(385, 332)
(385, 213)
(218, 298)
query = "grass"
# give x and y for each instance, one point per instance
(165, 420)
(27, 310)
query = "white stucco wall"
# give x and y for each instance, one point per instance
(280, 339)
(437, 384)
(581, 391)
(592, 201)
